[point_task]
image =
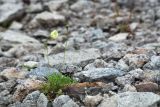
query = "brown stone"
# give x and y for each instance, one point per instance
(147, 87)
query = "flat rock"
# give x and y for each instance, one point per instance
(119, 37)
(10, 11)
(17, 37)
(131, 99)
(80, 57)
(147, 87)
(57, 4)
(41, 72)
(13, 73)
(47, 19)
(99, 74)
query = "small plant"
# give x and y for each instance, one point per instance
(56, 83)
(124, 27)
(53, 35)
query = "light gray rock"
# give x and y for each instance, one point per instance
(92, 101)
(70, 103)
(135, 60)
(122, 65)
(80, 57)
(33, 8)
(31, 99)
(55, 5)
(10, 11)
(16, 26)
(94, 34)
(98, 63)
(80, 5)
(67, 68)
(151, 45)
(17, 37)
(129, 88)
(41, 33)
(106, 74)
(5, 98)
(132, 99)
(114, 50)
(47, 19)
(122, 81)
(64, 101)
(154, 64)
(42, 101)
(130, 77)
(41, 72)
(99, 44)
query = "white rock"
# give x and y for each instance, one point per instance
(16, 26)
(31, 64)
(133, 26)
(119, 37)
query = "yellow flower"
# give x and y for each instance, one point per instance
(54, 34)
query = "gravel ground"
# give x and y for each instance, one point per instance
(111, 47)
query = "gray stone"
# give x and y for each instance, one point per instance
(31, 99)
(41, 33)
(80, 5)
(99, 44)
(7, 85)
(70, 103)
(129, 88)
(80, 57)
(17, 37)
(154, 64)
(42, 101)
(41, 72)
(10, 11)
(114, 50)
(94, 34)
(55, 5)
(92, 101)
(98, 63)
(151, 45)
(135, 60)
(132, 99)
(122, 65)
(33, 8)
(47, 18)
(130, 77)
(64, 101)
(106, 74)
(122, 81)
(68, 68)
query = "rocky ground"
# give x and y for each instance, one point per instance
(111, 48)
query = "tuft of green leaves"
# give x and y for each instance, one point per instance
(56, 82)
(124, 27)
